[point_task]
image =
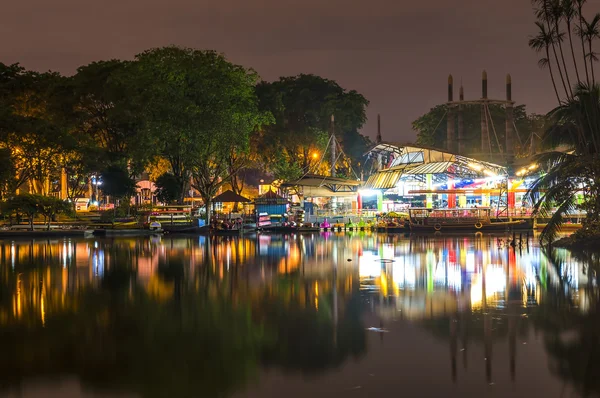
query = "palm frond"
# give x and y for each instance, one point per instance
(553, 228)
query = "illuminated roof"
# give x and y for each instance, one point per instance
(432, 168)
(313, 185)
(411, 160)
(383, 180)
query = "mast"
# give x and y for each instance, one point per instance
(333, 148)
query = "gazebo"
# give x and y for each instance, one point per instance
(229, 197)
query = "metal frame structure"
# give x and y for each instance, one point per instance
(415, 162)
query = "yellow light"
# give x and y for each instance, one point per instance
(533, 166)
(315, 155)
(316, 295)
(42, 308)
(489, 173)
(475, 166)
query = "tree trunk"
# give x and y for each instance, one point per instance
(183, 182)
(573, 53)
(552, 75)
(31, 222)
(587, 76)
(557, 61)
(562, 57)
(591, 54)
(207, 204)
(49, 222)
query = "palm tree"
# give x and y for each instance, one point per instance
(579, 4)
(591, 30)
(545, 15)
(576, 127)
(556, 15)
(568, 13)
(542, 42)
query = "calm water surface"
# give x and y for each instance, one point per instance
(324, 315)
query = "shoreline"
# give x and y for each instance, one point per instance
(53, 233)
(571, 243)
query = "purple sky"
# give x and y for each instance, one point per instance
(397, 53)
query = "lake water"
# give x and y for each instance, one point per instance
(322, 315)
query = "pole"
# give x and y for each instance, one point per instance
(484, 127)
(450, 138)
(509, 121)
(461, 123)
(333, 148)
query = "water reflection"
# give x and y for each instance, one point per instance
(208, 317)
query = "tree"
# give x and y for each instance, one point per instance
(31, 128)
(576, 168)
(569, 13)
(549, 14)
(590, 31)
(117, 182)
(109, 117)
(238, 163)
(573, 128)
(303, 106)
(285, 170)
(557, 19)
(24, 204)
(7, 172)
(200, 108)
(168, 188)
(49, 207)
(542, 42)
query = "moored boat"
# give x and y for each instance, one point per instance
(476, 219)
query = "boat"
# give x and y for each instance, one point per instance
(393, 222)
(393, 227)
(476, 219)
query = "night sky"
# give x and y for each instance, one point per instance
(397, 53)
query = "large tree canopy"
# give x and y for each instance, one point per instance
(107, 113)
(303, 106)
(201, 109)
(30, 126)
